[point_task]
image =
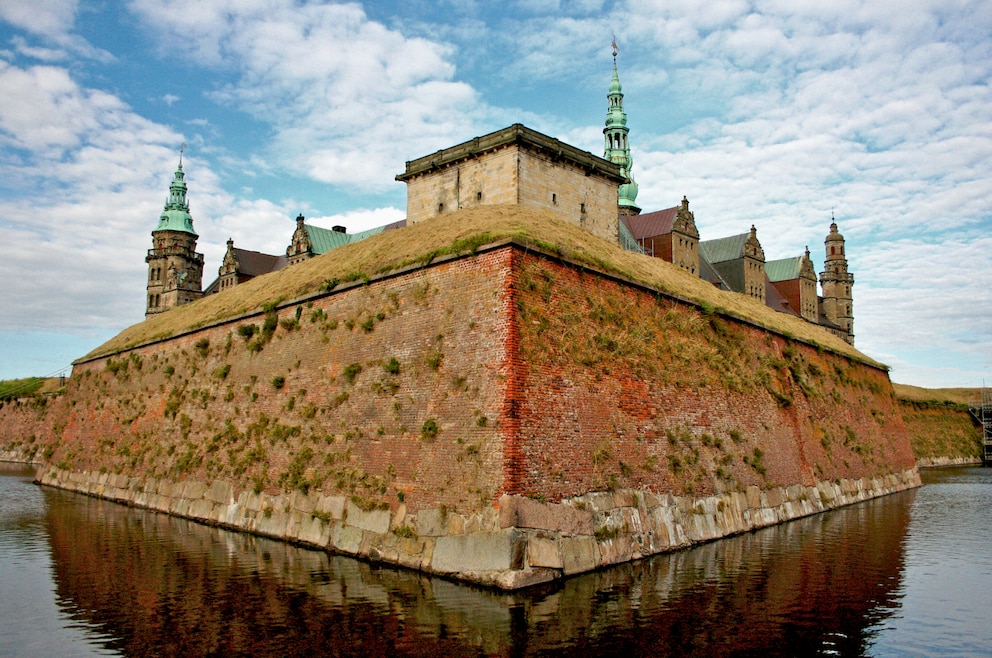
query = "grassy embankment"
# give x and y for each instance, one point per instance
(938, 422)
(11, 389)
(461, 232)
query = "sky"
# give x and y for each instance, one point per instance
(779, 113)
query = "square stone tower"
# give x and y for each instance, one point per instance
(519, 166)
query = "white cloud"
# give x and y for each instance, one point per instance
(42, 17)
(775, 112)
(349, 99)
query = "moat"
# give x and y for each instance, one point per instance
(907, 574)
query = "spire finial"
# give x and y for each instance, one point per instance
(614, 44)
(182, 148)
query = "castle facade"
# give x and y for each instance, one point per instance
(520, 166)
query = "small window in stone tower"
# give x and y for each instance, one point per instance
(478, 196)
(582, 208)
(554, 198)
(440, 207)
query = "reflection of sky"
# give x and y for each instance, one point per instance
(948, 574)
(31, 623)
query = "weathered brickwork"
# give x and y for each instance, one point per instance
(384, 391)
(625, 389)
(503, 417)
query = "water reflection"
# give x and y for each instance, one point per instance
(151, 584)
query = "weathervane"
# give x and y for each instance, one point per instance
(614, 44)
(182, 148)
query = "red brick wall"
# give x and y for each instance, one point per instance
(626, 389)
(541, 378)
(445, 325)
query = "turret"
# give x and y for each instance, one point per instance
(175, 270)
(836, 283)
(617, 146)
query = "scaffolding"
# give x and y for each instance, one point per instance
(981, 409)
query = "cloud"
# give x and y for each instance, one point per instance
(85, 171)
(777, 113)
(349, 100)
(49, 18)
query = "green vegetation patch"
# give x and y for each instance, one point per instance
(18, 388)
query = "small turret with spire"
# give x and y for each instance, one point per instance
(175, 270)
(617, 146)
(836, 283)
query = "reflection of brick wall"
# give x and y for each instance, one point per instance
(514, 373)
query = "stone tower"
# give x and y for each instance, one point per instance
(175, 270)
(617, 146)
(836, 283)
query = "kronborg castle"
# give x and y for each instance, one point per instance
(520, 166)
(505, 388)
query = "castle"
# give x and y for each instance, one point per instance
(517, 165)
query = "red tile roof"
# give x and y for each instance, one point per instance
(652, 224)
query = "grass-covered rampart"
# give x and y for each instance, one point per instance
(939, 424)
(460, 232)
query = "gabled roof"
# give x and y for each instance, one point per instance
(651, 224)
(325, 239)
(784, 269)
(776, 301)
(255, 263)
(723, 249)
(708, 273)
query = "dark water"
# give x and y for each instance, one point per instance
(910, 574)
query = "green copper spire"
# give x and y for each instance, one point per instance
(175, 216)
(617, 147)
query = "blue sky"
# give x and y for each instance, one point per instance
(776, 113)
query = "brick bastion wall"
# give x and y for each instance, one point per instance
(502, 417)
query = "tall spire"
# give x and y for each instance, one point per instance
(175, 216)
(617, 147)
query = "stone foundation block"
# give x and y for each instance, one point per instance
(579, 554)
(484, 551)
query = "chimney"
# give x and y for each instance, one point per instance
(340, 229)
